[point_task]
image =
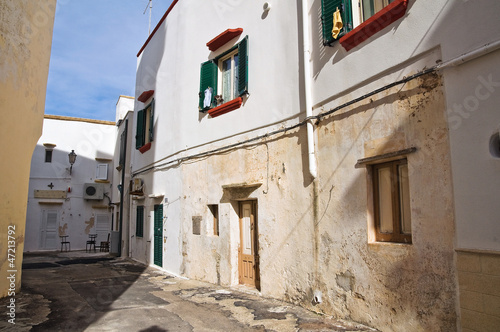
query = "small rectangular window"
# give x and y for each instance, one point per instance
(214, 214)
(102, 172)
(197, 225)
(48, 156)
(391, 193)
(139, 221)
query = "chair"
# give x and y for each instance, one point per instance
(90, 243)
(65, 243)
(105, 245)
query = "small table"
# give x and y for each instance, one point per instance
(90, 243)
(65, 243)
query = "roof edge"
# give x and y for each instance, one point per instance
(70, 118)
(157, 26)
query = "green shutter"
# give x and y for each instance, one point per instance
(243, 67)
(158, 235)
(208, 78)
(328, 7)
(139, 226)
(151, 121)
(139, 136)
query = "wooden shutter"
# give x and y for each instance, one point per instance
(139, 226)
(158, 235)
(151, 120)
(139, 137)
(243, 67)
(328, 7)
(208, 78)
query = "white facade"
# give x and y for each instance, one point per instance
(58, 203)
(392, 97)
(121, 175)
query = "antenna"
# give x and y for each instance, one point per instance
(150, 4)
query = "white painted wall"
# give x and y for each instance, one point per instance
(170, 65)
(336, 247)
(89, 141)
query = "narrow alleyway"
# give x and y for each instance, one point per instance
(95, 292)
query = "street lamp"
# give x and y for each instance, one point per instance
(72, 159)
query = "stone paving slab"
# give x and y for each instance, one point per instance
(97, 292)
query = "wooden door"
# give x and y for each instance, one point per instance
(248, 252)
(158, 235)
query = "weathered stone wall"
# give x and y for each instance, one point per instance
(317, 236)
(390, 286)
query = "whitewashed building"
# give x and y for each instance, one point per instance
(70, 200)
(351, 173)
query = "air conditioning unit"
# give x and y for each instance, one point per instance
(136, 186)
(93, 191)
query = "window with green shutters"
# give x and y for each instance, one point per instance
(361, 19)
(139, 221)
(145, 126)
(226, 77)
(328, 7)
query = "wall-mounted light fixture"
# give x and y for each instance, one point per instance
(72, 159)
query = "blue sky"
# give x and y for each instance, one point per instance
(93, 58)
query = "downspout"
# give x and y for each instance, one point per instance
(483, 50)
(122, 188)
(311, 150)
(311, 153)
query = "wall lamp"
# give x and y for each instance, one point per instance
(72, 159)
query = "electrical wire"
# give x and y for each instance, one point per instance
(318, 117)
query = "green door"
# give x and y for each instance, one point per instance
(158, 235)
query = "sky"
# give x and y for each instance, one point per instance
(94, 54)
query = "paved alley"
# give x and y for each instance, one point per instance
(95, 292)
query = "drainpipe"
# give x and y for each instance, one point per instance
(123, 188)
(307, 87)
(483, 50)
(311, 153)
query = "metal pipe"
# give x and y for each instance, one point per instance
(478, 52)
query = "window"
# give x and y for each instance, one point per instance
(123, 139)
(391, 196)
(228, 72)
(196, 224)
(139, 221)
(214, 209)
(102, 172)
(224, 78)
(370, 7)
(48, 156)
(374, 15)
(145, 126)
(328, 7)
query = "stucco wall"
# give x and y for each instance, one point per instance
(25, 41)
(317, 236)
(94, 143)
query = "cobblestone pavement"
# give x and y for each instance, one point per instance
(95, 292)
